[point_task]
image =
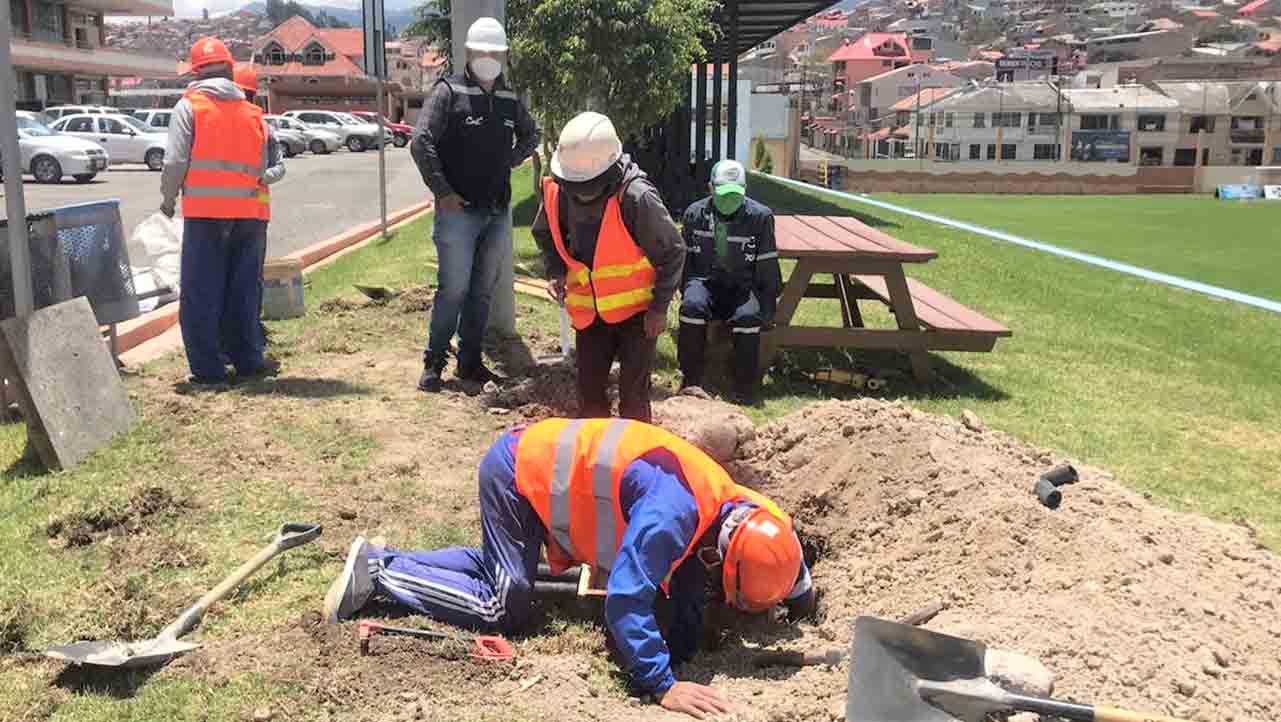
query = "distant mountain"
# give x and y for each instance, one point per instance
(399, 13)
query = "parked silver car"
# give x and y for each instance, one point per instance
(356, 134)
(317, 140)
(48, 155)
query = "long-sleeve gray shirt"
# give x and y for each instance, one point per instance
(182, 136)
(433, 120)
(645, 217)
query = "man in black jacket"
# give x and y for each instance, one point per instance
(471, 132)
(731, 274)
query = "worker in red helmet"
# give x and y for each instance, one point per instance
(246, 79)
(628, 498)
(216, 157)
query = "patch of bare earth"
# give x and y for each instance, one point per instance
(1126, 602)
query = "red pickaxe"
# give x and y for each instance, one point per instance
(487, 648)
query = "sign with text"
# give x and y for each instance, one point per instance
(375, 30)
(1101, 145)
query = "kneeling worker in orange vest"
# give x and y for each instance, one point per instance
(217, 155)
(614, 257)
(630, 499)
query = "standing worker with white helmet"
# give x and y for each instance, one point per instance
(614, 258)
(471, 132)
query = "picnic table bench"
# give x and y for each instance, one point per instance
(867, 264)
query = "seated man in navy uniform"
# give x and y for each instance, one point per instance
(731, 274)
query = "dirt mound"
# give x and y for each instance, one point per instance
(1127, 602)
(147, 506)
(340, 306)
(549, 389)
(415, 299)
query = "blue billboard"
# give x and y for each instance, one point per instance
(1101, 145)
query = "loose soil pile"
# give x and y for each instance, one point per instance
(1126, 602)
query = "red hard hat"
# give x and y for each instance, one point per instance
(245, 77)
(208, 51)
(762, 562)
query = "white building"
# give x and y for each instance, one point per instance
(997, 121)
(1145, 119)
(59, 52)
(872, 98)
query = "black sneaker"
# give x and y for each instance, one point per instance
(269, 367)
(478, 374)
(430, 380)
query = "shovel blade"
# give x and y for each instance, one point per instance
(146, 653)
(890, 661)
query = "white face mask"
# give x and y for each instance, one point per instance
(486, 69)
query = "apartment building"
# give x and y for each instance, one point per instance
(873, 54)
(873, 97)
(305, 67)
(60, 55)
(1123, 124)
(1002, 122)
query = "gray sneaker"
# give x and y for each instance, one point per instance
(352, 588)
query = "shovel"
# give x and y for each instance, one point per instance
(166, 645)
(908, 674)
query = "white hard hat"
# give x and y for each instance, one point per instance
(588, 146)
(487, 35)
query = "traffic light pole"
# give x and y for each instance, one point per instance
(15, 204)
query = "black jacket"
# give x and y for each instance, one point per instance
(468, 140)
(753, 255)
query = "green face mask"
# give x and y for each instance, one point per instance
(728, 204)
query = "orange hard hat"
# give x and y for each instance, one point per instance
(762, 561)
(245, 77)
(208, 51)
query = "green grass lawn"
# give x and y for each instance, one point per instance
(1232, 244)
(1177, 393)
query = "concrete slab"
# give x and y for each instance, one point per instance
(66, 382)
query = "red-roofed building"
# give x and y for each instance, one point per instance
(306, 67)
(873, 54)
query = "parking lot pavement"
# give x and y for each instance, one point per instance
(320, 196)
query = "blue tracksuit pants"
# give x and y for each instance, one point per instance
(218, 308)
(487, 589)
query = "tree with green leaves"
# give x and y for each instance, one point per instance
(628, 59)
(763, 162)
(431, 23)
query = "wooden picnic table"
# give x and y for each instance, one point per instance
(867, 264)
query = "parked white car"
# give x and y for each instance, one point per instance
(356, 135)
(49, 156)
(157, 120)
(317, 140)
(127, 139)
(61, 111)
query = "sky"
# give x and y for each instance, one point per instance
(193, 8)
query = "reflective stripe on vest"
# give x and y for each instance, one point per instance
(620, 282)
(571, 471)
(225, 170)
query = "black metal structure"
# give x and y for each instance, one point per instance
(664, 151)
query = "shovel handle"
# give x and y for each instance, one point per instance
(288, 537)
(1112, 714)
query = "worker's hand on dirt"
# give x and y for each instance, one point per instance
(451, 202)
(655, 323)
(556, 289)
(802, 607)
(167, 208)
(696, 700)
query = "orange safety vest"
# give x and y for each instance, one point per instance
(226, 159)
(570, 472)
(620, 283)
